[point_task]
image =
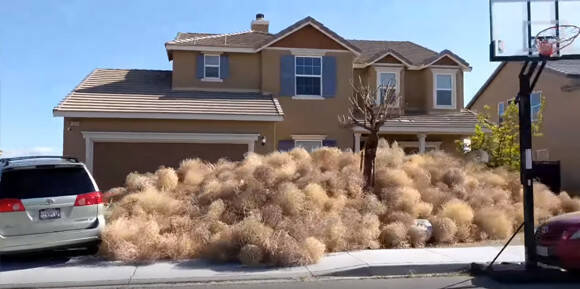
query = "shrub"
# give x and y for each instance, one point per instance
(458, 211)
(251, 255)
(167, 179)
(494, 223)
(290, 208)
(444, 230)
(394, 235)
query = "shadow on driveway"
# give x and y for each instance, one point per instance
(45, 259)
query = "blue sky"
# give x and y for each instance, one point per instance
(48, 47)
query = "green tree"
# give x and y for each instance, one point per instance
(502, 141)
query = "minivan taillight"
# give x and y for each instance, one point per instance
(11, 205)
(89, 199)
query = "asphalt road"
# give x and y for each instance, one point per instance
(450, 282)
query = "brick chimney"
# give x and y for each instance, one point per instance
(260, 24)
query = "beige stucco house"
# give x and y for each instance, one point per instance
(559, 85)
(255, 91)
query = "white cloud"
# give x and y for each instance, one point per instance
(34, 151)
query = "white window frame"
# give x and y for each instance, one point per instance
(453, 74)
(499, 112)
(212, 78)
(397, 72)
(308, 138)
(532, 118)
(296, 75)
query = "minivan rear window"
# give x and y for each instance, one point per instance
(44, 183)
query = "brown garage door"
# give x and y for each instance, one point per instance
(113, 161)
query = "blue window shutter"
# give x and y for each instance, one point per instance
(285, 145)
(200, 72)
(329, 143)
(287, 75)
(224, 67)
(328, 76)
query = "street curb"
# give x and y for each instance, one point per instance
(399, 270)
(353, 272)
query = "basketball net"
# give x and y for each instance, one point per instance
(550, 41)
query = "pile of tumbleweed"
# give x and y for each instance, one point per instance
(290, 208)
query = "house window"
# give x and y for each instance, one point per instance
(444, 89)
(309, 145)
(308, 142)
(387, 77)
(500, 111)
(535, 105)
(308, 76)
(211, 66)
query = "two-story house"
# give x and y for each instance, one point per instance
(559, 85)
(254, 91)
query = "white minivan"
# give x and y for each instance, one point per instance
(48, 203)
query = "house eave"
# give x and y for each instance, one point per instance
(181, 116)
(418, 129)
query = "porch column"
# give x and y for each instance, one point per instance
(357, 142)
(421, 138)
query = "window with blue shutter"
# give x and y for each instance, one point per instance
(329, 76)
(224, 67)
(329, 143)
(211, 65)
(200, 65)
(287, 75)
(285, 145)
(308, 75)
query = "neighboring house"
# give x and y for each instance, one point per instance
(559, 85)
(253, 91)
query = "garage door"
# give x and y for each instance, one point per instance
(113, 161)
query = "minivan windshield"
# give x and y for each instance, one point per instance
(44, 182)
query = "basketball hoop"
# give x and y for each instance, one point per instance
(550, 41)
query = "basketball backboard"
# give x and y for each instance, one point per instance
(514, 25)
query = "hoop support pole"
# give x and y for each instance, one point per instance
(528, 78)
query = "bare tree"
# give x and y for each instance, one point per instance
(370, 107)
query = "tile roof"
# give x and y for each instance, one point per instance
(147, 92)
(368, 50)
(567, 66)
(463, 119)
(245, 39)
(372, 49)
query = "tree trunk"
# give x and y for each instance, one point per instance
(371, 145)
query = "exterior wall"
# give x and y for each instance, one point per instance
(561, 110)
(308, 37)
(416, 90)
(363, 73)
(74, 144)
(312, 116)
(445, 61)
(244, 72)
(389, 59)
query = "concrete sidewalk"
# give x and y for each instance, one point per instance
(90, 271)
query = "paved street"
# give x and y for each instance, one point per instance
(454, 282)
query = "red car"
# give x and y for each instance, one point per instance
(558, 241)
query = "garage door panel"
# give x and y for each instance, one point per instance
(113, 161)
